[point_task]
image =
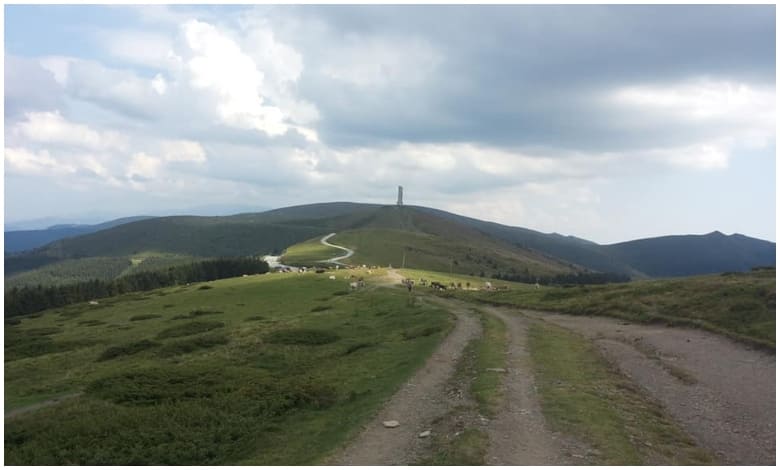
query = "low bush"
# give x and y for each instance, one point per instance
(304, 336)
(145, 316)
(357, 346)
(186, 346)
(126, 349)
(321, 308)
(188, 329)
(420, 332)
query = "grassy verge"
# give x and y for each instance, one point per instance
(740, 306)
(286, 388)
(468, 447)
(582, 395)
(490, 354)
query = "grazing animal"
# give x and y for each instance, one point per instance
(353, 285)
(438, 285)
(332, 278)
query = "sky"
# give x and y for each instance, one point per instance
(609, 123)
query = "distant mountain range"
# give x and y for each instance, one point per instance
(23, 240)
(437, 238)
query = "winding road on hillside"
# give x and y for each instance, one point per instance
(337, 259)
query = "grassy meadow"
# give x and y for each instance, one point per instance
(738, 305)
(278, 369)
(426, 251)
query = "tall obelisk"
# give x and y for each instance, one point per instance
(400, 196)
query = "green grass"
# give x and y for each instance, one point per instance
(491, 348)
(467, 448)
(459, 252)
(740, 306)
(309, 253)
(582, 395)
(224, 396)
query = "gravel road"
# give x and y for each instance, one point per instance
(721, 392)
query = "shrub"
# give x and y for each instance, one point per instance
(145, 316)
(196, 313)
(176, 348)
(254, 318)
(126, 349)
(188, 329)
(321, 308)
(304, 336)
(157, 386)
(91, 322)
(201, 312)
(420, 332)
(357, 346)
(206, 287)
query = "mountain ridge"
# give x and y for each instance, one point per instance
(273, 230)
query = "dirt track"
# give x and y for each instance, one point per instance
(519, 434)
(414, 406)
(721, 392)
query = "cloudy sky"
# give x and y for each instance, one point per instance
(609, 123)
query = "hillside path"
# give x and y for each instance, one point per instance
(414, 406)
(336, 259)
(721, 392)
(519, 434)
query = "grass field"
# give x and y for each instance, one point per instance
(263, 370)
(581, 395)
(309, 253)
(418, 250)
(739, 305)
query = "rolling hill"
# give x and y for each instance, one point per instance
(423, 238)
(23, 240)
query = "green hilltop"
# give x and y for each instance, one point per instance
(412, 236)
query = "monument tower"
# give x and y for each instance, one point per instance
(400, 196)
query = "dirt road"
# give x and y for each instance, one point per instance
(721, 393)
(414, 406)
(519, 434)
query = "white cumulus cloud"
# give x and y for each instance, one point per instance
(50, 127)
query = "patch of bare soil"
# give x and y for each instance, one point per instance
(418, 403)
(519, 434)
(721, 392)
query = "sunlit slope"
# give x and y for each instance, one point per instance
(406, 236)
(277, 369)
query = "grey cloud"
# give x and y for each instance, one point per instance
(529, 75)
(29, 87)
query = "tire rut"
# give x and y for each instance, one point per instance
(720, 392)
